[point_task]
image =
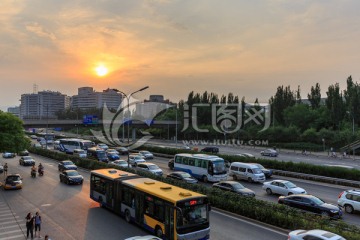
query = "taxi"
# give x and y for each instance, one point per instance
(13, 181)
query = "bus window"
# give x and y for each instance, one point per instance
(185, 161)
(198, 162)
(191, 162)
(178, 159)
(205, 164)
(211, 168)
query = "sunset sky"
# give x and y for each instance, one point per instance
(176, 46)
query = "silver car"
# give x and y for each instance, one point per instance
(282, 187)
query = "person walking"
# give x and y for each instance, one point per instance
(29, 225)
(37, 223)
(5, 169)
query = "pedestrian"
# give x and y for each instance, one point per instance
(37, 223)
(5, 169)
(29, 225)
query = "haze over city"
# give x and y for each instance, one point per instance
(245, 47)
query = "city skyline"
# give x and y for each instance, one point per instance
(248, 48)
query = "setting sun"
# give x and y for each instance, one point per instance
(101, 71)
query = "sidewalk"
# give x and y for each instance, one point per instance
(10, 223)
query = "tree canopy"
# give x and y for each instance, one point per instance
(12, 137)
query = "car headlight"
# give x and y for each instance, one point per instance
(334, 211)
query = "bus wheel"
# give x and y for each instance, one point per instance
(127, 215)
(158, 232)
(205, 179)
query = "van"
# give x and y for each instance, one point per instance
(79, 153)
(246, 171)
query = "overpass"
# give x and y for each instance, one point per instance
(52, 123)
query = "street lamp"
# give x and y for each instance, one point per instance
(128, 108)
(353, 121)
(323, 140)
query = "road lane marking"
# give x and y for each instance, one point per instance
(251, 223)
(12, 237)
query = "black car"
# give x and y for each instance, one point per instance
(26, 161)
(182, 176)
(235, 187)
(122, 150)
(268, 172)
(312, 204)
(71, 177)
(210, 149)
(66, 165)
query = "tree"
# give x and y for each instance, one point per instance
(352, 99)
(12, 137)
(283, 99)
(335, 105)
(315, 96)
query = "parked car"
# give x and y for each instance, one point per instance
(269, 152)
(282, 187)
(350, 200)
(135, 159)
(268, 172)
(120, 163)
(149, 167)
(312, 204)
(246, 171)
(71, 177)
(8, 155)
(113, 156)
(182, 176)
(147, 155)
(24, 153)
(210, 149)
(26, 161)
(233, 186)
(66, 165)
(33, 136)
(103, 146)
(315, 234)
(13, 181)
(122, 150)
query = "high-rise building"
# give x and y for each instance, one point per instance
(87, 98)
(14, 110)
(43, 105)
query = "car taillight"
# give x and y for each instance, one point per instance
(341, 194)
(288, 237)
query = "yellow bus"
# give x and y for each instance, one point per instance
(169, 212)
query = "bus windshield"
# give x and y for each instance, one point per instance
(219, 166)
(192, 215)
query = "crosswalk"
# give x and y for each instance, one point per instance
(10, 224)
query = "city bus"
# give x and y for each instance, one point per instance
(167, 211)
(68, 145)
(201, 166)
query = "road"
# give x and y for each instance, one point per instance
(317, 158)
(69, 213)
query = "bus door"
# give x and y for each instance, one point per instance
(109, 194)
(211, 168)
(139, 208)
(169, 222)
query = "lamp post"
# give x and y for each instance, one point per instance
(323, 140)
(128, 108)
(353, 121)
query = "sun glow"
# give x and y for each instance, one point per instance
(101, 70)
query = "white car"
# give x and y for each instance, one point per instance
(120, 163)
(148, 237)
(149, 167)
(313, 234)
(103, 146)
(282, 187)
(350, 200)
(135, 159)
(269, 152)
(112, 151)
(146, 154)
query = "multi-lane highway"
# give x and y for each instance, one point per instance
(69, 213)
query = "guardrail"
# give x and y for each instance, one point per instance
(337, 181)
